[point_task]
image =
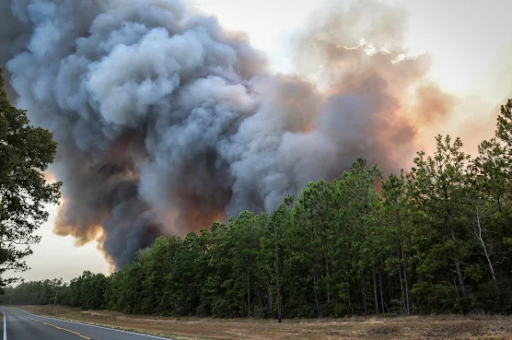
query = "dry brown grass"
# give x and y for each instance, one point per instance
(403, 328)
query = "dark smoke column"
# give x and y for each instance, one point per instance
(165, 122)
(140, 97)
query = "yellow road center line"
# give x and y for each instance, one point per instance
(54, 326)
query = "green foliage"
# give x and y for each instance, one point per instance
(434, 239)
(25, 153)
(37, 293)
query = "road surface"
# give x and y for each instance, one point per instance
(18, 324)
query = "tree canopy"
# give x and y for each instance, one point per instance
(25, 153)
(436, 238)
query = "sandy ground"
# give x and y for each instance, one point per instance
(406, 328)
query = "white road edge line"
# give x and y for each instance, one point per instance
(5, 325)
(86, 324)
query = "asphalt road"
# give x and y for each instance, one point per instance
(18, 324)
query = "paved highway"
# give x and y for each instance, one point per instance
(18, 324)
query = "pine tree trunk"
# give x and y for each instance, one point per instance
(375, 296)
(381, 293)
(350, 306)
(480, 238)
(327, 274)
(448, 219)
(316, 292)
(363, 294)
(248, 292)
(278, 277)
(270, 301)
(327, 278)
(457, 267)
(404, 304)
(407, 304)
(406, 290)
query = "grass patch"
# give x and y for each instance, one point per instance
(372, 328)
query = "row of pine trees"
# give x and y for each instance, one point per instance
(434, 239)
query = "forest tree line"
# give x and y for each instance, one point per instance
(434, 239)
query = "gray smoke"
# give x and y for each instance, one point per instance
(166, 122)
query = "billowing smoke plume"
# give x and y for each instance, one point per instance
(166, 122)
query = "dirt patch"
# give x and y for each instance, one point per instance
(401, 328)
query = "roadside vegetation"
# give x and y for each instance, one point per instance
(360, 327)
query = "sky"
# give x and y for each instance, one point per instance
(470, 42)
